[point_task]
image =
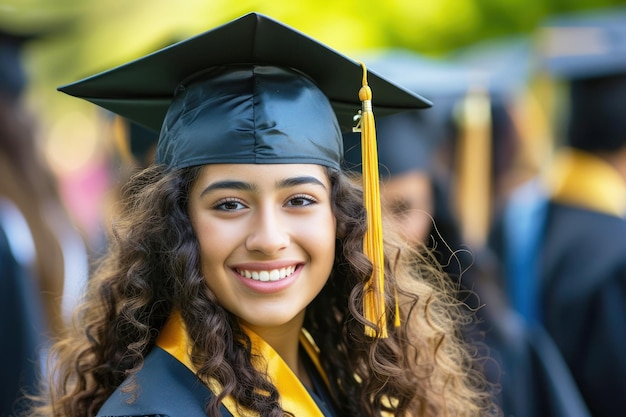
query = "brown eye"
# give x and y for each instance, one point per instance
(301, 201)
(229, 205)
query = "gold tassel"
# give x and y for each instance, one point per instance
(374, 301)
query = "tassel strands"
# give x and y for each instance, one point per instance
(374, 301)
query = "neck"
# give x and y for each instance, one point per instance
(285, 340)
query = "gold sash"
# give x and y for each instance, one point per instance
(294, 397)
(584, 180)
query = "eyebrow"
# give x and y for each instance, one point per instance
(293, 181)
(228, 185)
(246, 186)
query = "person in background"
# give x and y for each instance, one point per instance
(22, 327)
(38, 239)
(25, 182)
(239, 276)
(570, 276)
(415, 199)
(582, 298)
(527, 375)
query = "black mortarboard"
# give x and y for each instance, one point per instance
(589, 51)
(237, 94)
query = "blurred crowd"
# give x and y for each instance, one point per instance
(515, 179)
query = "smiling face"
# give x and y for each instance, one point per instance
(267, 238)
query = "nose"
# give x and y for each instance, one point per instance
(268, 232)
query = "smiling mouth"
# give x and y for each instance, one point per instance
(265, 276)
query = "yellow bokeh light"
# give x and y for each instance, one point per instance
(72, 143)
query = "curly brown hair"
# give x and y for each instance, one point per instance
(152, 267)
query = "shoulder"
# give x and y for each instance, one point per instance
(590, 232)
(163, 387)
(584, 219)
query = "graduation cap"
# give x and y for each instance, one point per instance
(252, 50)
(584, 45)
(588, 50)
(257, 91)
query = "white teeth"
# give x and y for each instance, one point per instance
(272, 275)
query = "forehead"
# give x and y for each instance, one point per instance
(257, 174)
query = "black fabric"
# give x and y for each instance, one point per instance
(536, 381)
(250, 114)
(584, 301)
(596, 119)
(21, 332)
(531, 377)
(166, 387)
(319, 393)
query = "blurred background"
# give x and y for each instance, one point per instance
(497, 73)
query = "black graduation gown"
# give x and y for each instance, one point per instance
(169, 388)
(166, 388)
(584, 301)
(21, 332)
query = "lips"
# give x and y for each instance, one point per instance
(267, 275)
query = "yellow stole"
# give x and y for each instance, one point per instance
(584, 180)
(294, 397)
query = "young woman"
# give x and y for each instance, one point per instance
(238, 280)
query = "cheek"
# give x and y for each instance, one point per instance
(326, 235)
(318, 233)
(421, 226)
(216, 240)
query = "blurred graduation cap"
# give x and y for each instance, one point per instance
(406, 143)
(502, 64)
(588, 50)
(12, 74)
(584, 44)
(432, 77)
(256, 91)
(438, 79)
(18, 30)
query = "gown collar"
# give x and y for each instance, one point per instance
(294, 396)
(584, 180)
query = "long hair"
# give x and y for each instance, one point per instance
(28, 183)
(153, 267)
